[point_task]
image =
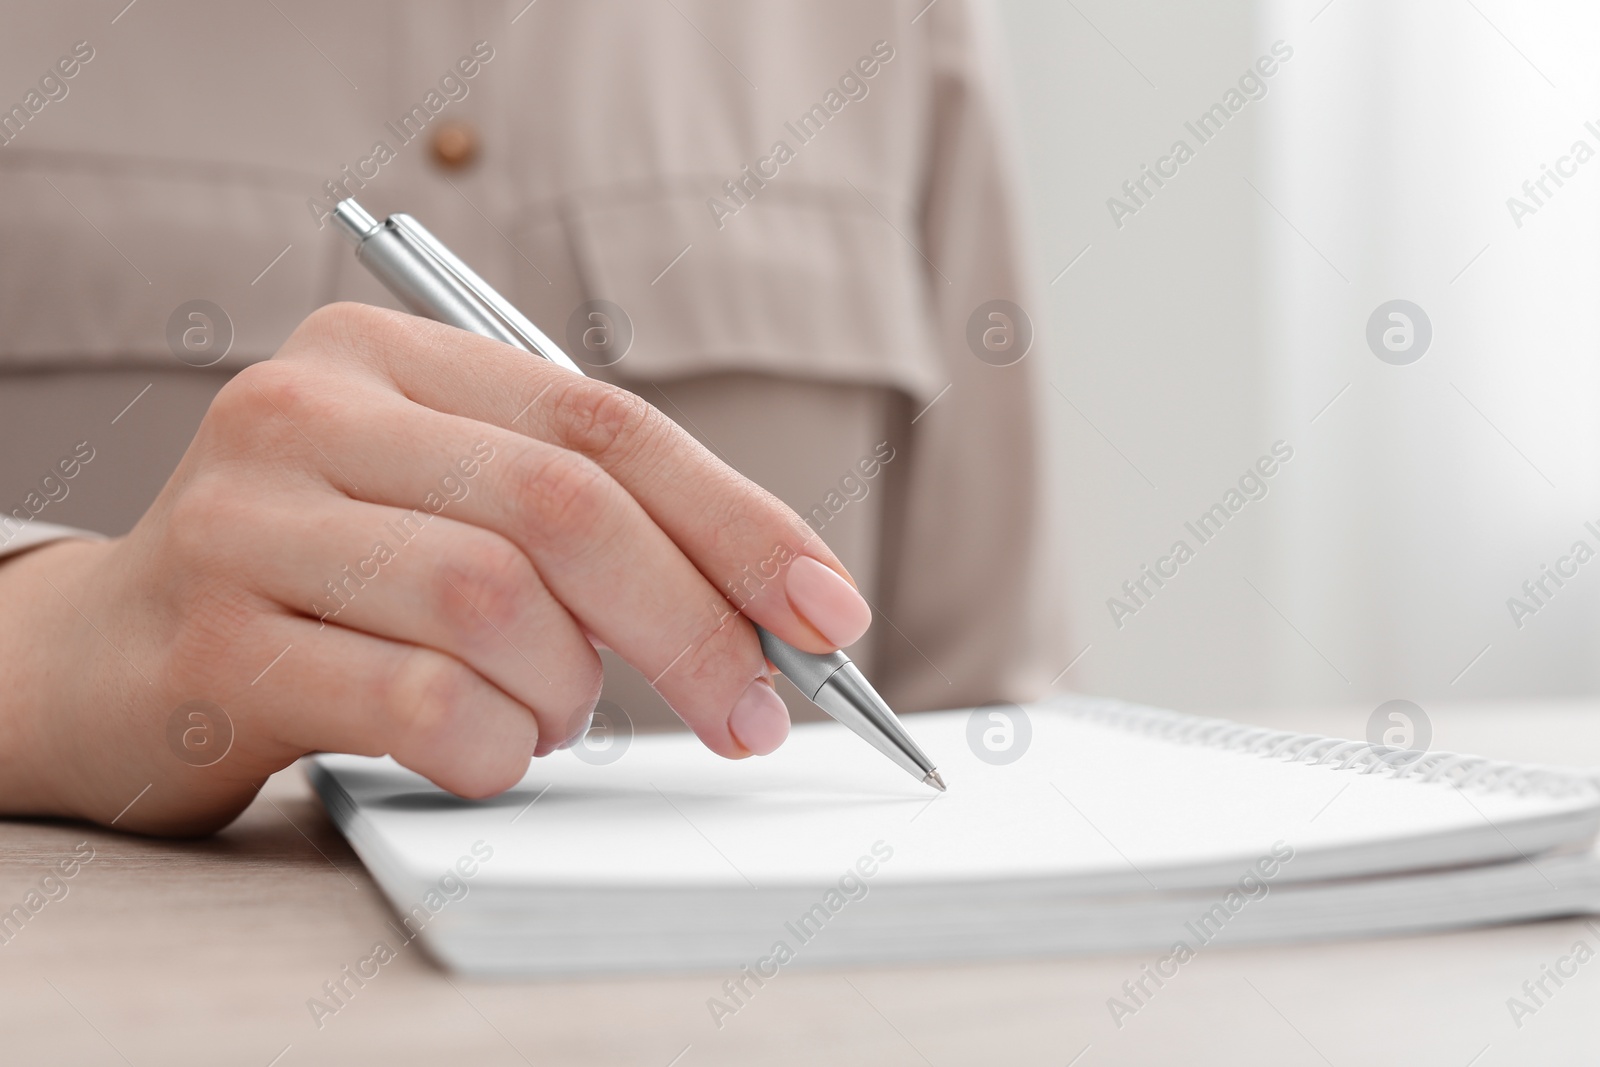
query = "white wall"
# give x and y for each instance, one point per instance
(1226, 313)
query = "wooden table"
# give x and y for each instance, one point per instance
(207, 953)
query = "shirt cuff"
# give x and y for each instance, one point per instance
(18, 537)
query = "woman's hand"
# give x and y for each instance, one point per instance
(397, 537)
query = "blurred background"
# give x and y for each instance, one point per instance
(1393, 153)
(1230, 311)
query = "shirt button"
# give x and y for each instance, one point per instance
(455, 145)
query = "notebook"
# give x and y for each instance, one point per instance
(1118, 827)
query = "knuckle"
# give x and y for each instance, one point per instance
(434, 707)
(250, 394)
(483, 589)
(262, 406)
(343, 323)
(737, 524)
(721, 651)
(603, 421)
(560, 492)
(427, 698)
(729, 648)
(263, 426)
(358, 338)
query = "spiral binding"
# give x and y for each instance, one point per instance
(1316, 750)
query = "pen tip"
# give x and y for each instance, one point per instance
(934, 780)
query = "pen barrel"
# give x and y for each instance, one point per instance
(850, 698)
(427, 290)
(837, 686)
(808, 671)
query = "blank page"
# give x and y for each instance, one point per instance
(1091, 805)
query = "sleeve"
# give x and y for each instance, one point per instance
(18, 537)
(975, 594)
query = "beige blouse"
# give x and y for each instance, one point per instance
(818, 190)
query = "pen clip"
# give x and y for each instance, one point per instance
(515, 323)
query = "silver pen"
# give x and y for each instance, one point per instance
(431, 282)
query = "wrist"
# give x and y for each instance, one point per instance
(45, 666)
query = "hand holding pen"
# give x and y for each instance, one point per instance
(396, 537)
(431, 281)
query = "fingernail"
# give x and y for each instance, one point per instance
(544, 748)
(759, 721)
(575, 738)
(827, 601)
